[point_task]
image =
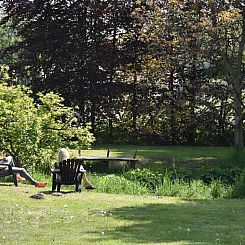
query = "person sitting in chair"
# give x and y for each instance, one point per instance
(64, 154)
(21, 173)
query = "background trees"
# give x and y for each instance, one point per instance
(163, 72)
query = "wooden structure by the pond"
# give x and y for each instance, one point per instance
(131, 162)
(105, 162)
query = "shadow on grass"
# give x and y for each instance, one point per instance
(54, 193)
(199, 222)
(6, 184)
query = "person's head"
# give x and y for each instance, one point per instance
(63, 154)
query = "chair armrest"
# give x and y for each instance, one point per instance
(7, 165)
(55, 170)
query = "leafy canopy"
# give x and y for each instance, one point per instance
(33, 131)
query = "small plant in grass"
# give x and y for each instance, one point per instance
(198, 189)
(217, 189)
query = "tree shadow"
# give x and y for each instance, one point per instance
(199, 222)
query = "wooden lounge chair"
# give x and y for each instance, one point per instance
(8, 172)
(68, 173)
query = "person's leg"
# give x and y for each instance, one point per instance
(28, 177)
(87, 183)
(24, 174)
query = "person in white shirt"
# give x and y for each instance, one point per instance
(21, 173)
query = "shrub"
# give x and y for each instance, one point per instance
(170, 184)
(175, 188)
(238, 189)
(198, 189)
(32, 132)
(226, 176)
(217, 189)
(146, 177)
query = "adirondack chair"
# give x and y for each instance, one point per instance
(68, 173)
(8, 172)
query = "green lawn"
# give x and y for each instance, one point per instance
(183, 157)
(96, 218)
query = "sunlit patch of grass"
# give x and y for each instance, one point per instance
(95, 218)
(203, 158)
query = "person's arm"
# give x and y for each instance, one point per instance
(3, 163)
(8, 159)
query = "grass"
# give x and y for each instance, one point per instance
(92, 217)
(190, 158)
(96, 218)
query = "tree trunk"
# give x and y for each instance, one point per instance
(110, 122)
(173, 131)
(192, 121)
(237, 84)
(134, 103)
(93, 113)
(112, 64)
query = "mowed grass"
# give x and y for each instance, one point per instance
(96, 218)
(193, 158)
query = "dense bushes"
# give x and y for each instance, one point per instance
(211, 184)
(153, 179)
(226, 176)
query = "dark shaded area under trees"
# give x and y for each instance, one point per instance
(145, 72)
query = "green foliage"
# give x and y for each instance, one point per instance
(153, 179)
(194, 189)
(170, 184)
(33, 131)
(226, 176)
(146, 177)
(118, 184)
(174, 189)
(4, 76)
(180, 188)
(238, 190)
(165, 79)
(217, 189)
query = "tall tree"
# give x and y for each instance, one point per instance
(230, 26)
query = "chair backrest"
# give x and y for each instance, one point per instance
(69, 169)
